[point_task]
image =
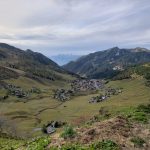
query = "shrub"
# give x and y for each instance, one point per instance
(68, 132)
(140, 113)
(144, 108)
(138, 142)
(140, 116)
(147, 83)
(104, 145)
(38, 144)
(147, 75)
(44, 128)
(73, 147)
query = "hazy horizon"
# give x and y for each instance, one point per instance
(73, 27)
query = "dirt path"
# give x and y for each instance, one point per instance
(40, 111)
(44, 109)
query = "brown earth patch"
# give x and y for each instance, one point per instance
(117, 129)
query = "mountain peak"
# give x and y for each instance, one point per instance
(29, 50)
(4, 45)
(114, 48)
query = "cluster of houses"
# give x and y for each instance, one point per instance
(62, 94)
(16, 91)
(85, 85)
(97, 99)
(78, 86)
(108, 93)
(112, 91)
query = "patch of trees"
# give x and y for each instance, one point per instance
(142, 70)
(43, 73)
(104, 74)
(123, 75)
(147, 83)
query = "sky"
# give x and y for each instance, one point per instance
(75, 27)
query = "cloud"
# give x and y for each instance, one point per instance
(74, 26)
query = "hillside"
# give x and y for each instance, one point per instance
(35, 93)
(107, 63)
(32, 63)
(27, 75)
(122, 122)
(141, 70)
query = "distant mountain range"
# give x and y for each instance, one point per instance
(64, 58)
(107, 63)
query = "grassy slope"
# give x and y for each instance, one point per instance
(134, 93)
(23, 114)
(6, 143)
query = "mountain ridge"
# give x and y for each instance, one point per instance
(107, 62)
(33, 63)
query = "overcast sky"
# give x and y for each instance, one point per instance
(74, 26)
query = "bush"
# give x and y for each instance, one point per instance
(38, 144)
(147, 75)
(104, 145)
(147, 83)
(138, 142)
(144, 108)
(44, 128)
(68, 132)
(73, 147)
(140, 114)
(140, 117)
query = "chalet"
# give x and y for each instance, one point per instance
(50, 130)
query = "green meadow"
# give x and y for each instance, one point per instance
(39, 109)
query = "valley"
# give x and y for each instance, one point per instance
(35, 93)
(39, 110)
